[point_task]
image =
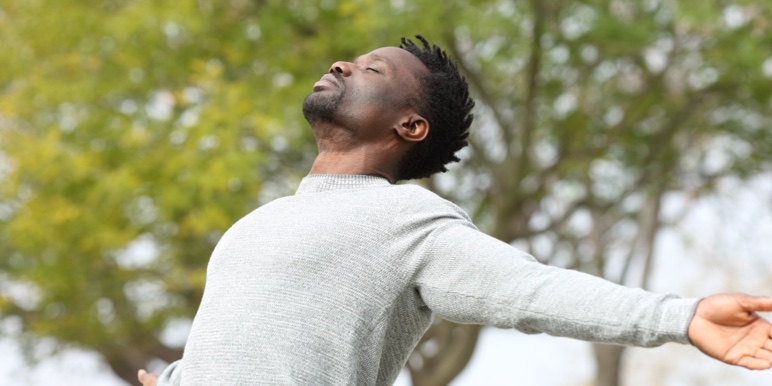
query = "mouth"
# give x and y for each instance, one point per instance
(326, 81)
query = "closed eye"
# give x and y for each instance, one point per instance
(373, 70)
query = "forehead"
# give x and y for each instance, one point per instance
(398, 59)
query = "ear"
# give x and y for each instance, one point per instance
(412, 128)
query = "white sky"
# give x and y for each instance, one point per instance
(717, 248)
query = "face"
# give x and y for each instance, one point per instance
(367, 95)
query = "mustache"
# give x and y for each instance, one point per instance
(338, 77)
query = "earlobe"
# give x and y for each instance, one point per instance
(413, 128)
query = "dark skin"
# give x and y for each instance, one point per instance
(375, 122)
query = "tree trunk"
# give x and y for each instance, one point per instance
(125, 370)
(125, 363)
(443, 353)
(608, 359)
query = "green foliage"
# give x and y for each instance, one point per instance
(133, 133)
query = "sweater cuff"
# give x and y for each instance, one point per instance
(171, 375)
(676, 316)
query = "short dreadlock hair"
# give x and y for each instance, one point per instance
(446, 105)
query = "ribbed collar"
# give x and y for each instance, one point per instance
(314, 183)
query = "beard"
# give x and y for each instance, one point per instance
(320, 107)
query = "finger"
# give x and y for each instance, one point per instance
(756, 303)
(147, 379)
(754, 363)
(768, 345)
(764, 355)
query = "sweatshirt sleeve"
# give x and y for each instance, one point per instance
(171, 376)
(466, 276)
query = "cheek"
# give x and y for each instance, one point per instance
(367, 94)
(371, 104)
(382, 98)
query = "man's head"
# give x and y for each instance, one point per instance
(408, 106)
(368, 98)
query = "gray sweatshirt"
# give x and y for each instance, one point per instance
(336, 284)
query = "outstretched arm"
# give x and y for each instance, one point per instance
(726, 327)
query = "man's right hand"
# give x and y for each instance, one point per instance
(147, 379)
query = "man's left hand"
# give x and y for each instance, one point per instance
(726, 327)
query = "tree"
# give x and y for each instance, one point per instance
(602, 110)
(133, 133)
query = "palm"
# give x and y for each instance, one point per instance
(726, 327)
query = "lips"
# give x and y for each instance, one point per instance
(326, 80)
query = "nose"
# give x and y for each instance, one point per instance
(343, 68)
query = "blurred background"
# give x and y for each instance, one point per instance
(630, 139)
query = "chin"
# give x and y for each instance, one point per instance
(321, 107)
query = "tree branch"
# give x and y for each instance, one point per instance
(485, 95)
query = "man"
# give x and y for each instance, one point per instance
(336, 284)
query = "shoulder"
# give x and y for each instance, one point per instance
(419, 200)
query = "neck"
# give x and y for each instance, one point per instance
(356, 161)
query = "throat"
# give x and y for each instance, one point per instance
(352, 162)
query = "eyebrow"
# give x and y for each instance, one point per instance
(376, 57)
